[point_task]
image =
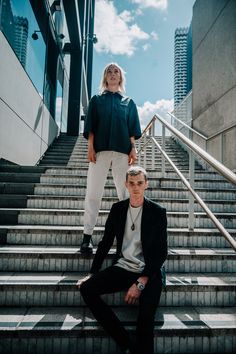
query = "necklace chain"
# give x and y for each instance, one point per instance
(133, 221)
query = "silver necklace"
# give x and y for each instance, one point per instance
(133, 221)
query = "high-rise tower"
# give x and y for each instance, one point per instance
(182, 63)
(21, 38)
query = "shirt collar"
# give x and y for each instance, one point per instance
(118, 93)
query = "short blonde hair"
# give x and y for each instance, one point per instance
(103, 83)
(135, 171)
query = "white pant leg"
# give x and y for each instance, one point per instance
(96, 179)
(119, 168)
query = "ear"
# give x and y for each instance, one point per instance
(146, 186)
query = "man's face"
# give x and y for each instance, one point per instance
(136, 185)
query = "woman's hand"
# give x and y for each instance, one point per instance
(91, 154)
(132, 156)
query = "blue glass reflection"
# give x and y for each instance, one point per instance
(18, 23)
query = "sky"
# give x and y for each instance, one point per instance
(139, 36)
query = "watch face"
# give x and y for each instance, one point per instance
(140, 286)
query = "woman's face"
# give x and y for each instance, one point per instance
(113, 76)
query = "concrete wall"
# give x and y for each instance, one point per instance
(26, 127)
(214, 76)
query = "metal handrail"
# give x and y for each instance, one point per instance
(187, 126)
(229, 175)
(223, 170)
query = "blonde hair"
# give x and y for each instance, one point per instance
(103, 83)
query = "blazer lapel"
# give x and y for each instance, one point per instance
(145, 219)
(121, 224)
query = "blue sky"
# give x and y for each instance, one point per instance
(139, 35)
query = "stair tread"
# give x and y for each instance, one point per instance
(104, 211)
(101, 228)
(63, 319)
(172, 251)
(71, 278)
(42, 263)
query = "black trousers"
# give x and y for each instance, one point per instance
(114, 279)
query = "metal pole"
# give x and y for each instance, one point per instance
(139, 155)
(153, 146)
(191, 218)
(163, 168)
(145, 152)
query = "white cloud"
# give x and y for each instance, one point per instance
(113, 31)
(138, 12)
(126, 16)
(146, 46)
(148, 110)
(157, 4)
(154, 35)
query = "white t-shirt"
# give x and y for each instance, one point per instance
(132, 252)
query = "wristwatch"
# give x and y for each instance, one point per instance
(140, 285)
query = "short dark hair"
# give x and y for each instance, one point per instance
(136, 170)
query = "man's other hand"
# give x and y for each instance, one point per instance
(132, 295)
(81, 281)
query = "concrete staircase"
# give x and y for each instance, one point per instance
(41, 228)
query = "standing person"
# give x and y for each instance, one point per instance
(140, 228)
(111, 127)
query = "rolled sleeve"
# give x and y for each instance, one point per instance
(133, 121)
(90, 122)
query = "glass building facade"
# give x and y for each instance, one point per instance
(46, 36)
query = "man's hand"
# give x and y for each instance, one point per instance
(132, 295)
(81, 281)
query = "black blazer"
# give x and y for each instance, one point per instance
(153, 236)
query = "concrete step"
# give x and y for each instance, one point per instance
(75, 217)
(73, 330)
(21, 169)
(56, 202)
(20, 177)
(59, 289)
(82, 153)
(153, 182)
(151, 173)
(16, 188)
(72, 236)
(13, 201)
(157, 165)
(110, 191)
(69, 259)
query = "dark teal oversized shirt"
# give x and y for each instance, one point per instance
(113, 118)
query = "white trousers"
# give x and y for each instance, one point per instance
(96, 179)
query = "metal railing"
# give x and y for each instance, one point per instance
(148, 137)
(181, 118)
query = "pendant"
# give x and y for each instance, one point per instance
(132, 227)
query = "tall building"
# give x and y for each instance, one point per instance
(21, 38)
(182, 63)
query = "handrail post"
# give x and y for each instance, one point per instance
(153, 146)
(163, 148)
(191, 217)
(139, 149)
(145, 151)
